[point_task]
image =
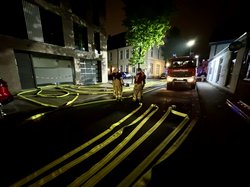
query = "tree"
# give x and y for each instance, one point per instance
(143, 34)
(146, 27)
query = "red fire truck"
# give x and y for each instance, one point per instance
(181, 71)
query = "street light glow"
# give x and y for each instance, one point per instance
(190, 43)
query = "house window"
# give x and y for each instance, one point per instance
(52, 27)
(127, 53)
(97, 42)
(151, 68)
(121, 55)
(219, 70)
(126, 68)
(32, 17)
(12, 19)
(133, 69)
(231, 68)
(152, 52)
(81, 37)
(158, 70)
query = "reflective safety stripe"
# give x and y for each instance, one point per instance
(146, 177)
(93, 171)
(69, 165)
(128, 181)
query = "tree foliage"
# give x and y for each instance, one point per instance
(146, 27)
(143, 34)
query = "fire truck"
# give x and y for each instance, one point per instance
(181, 72)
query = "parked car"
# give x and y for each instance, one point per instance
(126, 75)
(5, 95)
(163, 75)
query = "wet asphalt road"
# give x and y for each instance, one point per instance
(215, 150)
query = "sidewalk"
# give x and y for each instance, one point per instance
(215, 98)
(220, 141)
(215, 152)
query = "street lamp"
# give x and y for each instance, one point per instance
(190, 43)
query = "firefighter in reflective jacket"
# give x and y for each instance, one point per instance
(138, 85)
(117, 82)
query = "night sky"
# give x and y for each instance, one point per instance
(205, 21)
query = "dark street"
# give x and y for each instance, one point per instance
(215, 144)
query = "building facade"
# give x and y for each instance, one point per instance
(119, 54)
(229, 67)
(52, 42)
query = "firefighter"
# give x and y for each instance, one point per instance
(138, 85)
(117, 82)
